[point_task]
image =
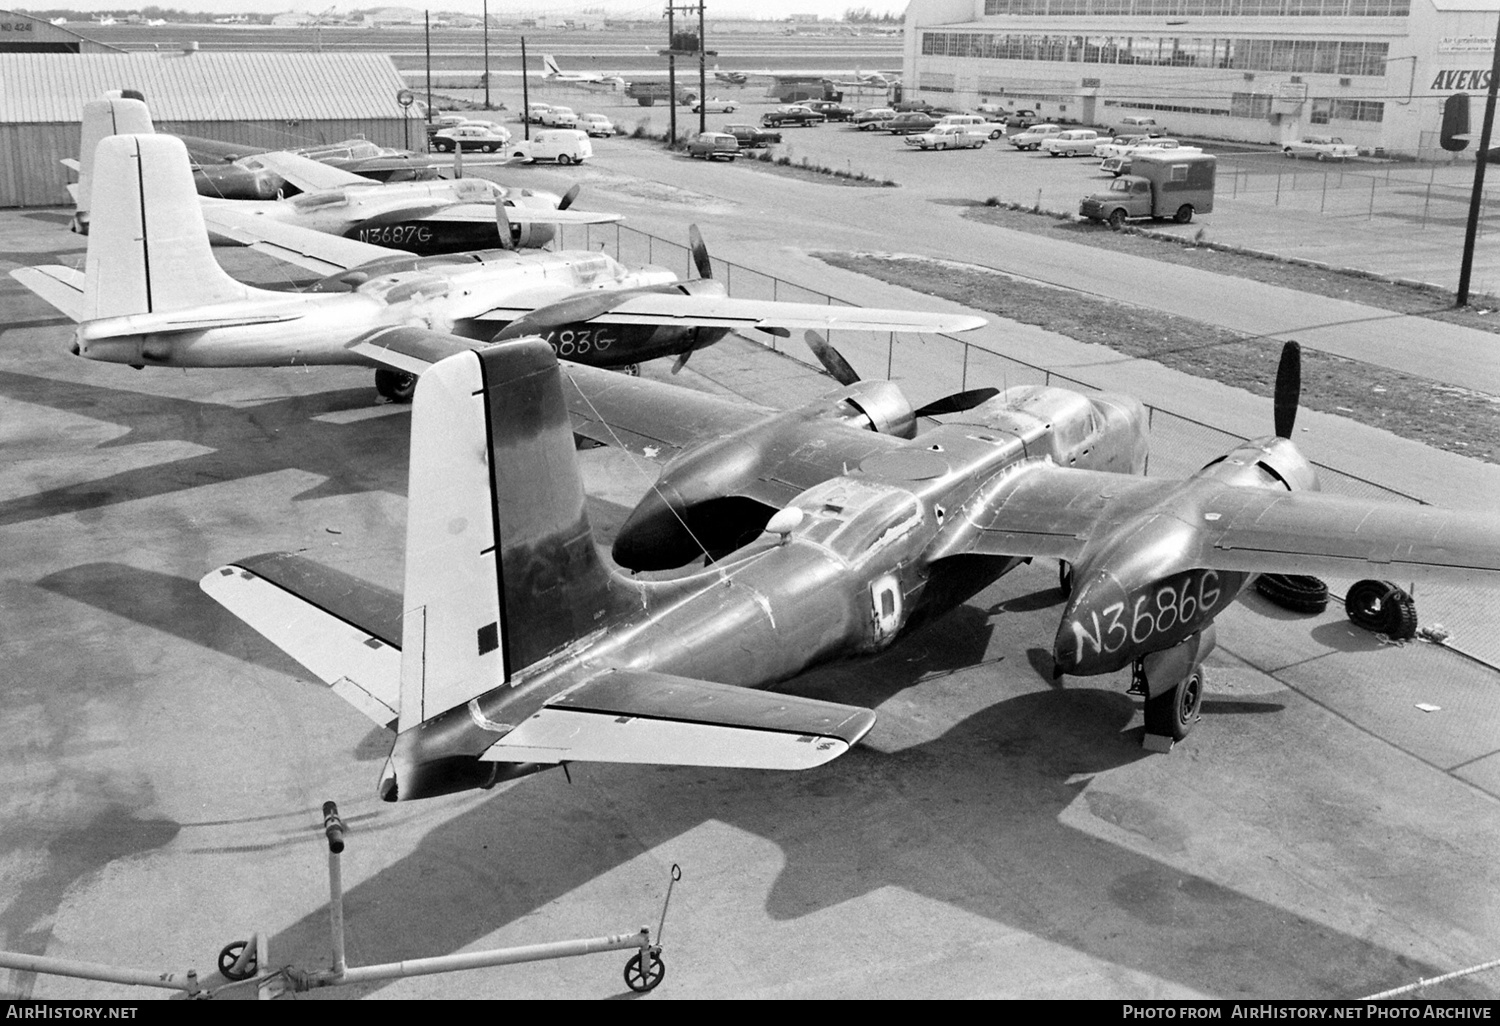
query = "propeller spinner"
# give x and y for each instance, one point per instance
(834, 363)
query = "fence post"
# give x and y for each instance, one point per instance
(1278, 187)
(1323, 201)
(1426, 202)
(1372, 201)
(890, 354)
(963, 380)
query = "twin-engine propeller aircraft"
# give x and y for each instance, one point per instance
(514, 648)
(424, 217)
(1034, 471)
(731, 77)
(151, 293)
(587, 79)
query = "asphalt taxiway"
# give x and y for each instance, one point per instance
(998, 834)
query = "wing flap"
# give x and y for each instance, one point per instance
(344, 630)
(62, 287)
(648, 417)
(639, 716)
(411, 350)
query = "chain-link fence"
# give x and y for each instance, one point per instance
(931, 366)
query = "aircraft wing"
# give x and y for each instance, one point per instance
(318, 252)
(407, 349)
(1045, 510)
(307, 174)
(484, 213)
(723, 312)
(58, 285)
(346, 631)
(640, 716)
(652, 418)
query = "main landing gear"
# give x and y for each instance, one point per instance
(395, 386)
(1171, 681)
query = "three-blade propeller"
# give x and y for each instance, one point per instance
(834, 363)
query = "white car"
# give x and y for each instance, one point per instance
(1323, 147)
(871, 119)
(1134, 125)
(559, 117)
(1120, 163)
(472, 135)
(1031, 138)
(949, 137)
(596, 124)
(1072, 143)
(533, 114)
(1113, 146)
(714, 105)
(991, 128)
(564, 145)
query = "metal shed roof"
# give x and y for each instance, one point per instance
(196, 86)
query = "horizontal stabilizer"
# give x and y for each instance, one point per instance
(638, 716)
(410, 350)
(60, 286)
(71, 164)
(307, 174)
(344, 630)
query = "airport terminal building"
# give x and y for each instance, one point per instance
(1374, 72)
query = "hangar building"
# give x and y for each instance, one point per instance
(262, 100)
(25, 33)
(1374, 72)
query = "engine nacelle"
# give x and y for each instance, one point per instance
(881, 407)
(1264, 462)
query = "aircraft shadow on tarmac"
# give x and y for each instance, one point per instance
(263, 438)
(972, 818)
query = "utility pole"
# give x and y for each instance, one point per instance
(702, 77)
(671, 76)
(525, 94)
(686, 45)
(427, 36)
(486, 54)
(1471, 230)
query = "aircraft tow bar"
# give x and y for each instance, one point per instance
(247, 962)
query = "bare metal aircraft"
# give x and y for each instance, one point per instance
(586, 79)
(151, 293)
(515, 648)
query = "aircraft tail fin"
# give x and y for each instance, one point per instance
(550, 63)
(103, 118)
(148, 246)
(501, 567)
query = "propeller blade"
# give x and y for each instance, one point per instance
(681, 361)
(502, 222)
(569, 197)
(1288, 389)
(700, 252)
(831, 359)
(958, 402)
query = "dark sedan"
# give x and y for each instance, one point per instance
(752, 138)
(910, 123)
(831, 111)
(797, 117)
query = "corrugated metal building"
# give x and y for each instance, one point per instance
(25, 33)
(267, 100)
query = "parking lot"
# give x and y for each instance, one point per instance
(998, 834)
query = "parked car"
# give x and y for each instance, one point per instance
(710, 145)
(475, 135)
(830, 110)
(1322, 147)
(1031, 138)
(794, 116)
(1137, 125)
(990, 128)
(1120, 163)
(948, 137)
(596, 124)
(906, 106)
(533, 113)
(1113, 146)
(752, 138)
(1072, 143)
(872, 118)
(442, 121)
(564, 145)
(910, 123)
(990, 108)
(714, 105)
(559, 117)
(1021, 119)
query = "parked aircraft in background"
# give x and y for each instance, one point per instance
(152, 294)
(731, 77)
(577, 662)
(593, 79)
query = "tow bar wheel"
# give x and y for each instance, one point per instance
(640, 981)
(230, 955)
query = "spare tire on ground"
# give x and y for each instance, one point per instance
(1382, 607)
(1297, 592)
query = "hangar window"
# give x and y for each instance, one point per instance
(1322, 110)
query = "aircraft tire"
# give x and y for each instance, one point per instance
(639, 981)
(396, 386)
(1382, 607)
(1296, 592)
(1174, 712)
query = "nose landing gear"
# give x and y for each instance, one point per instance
(1171, 681)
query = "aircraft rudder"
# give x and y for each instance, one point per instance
(101, 119)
